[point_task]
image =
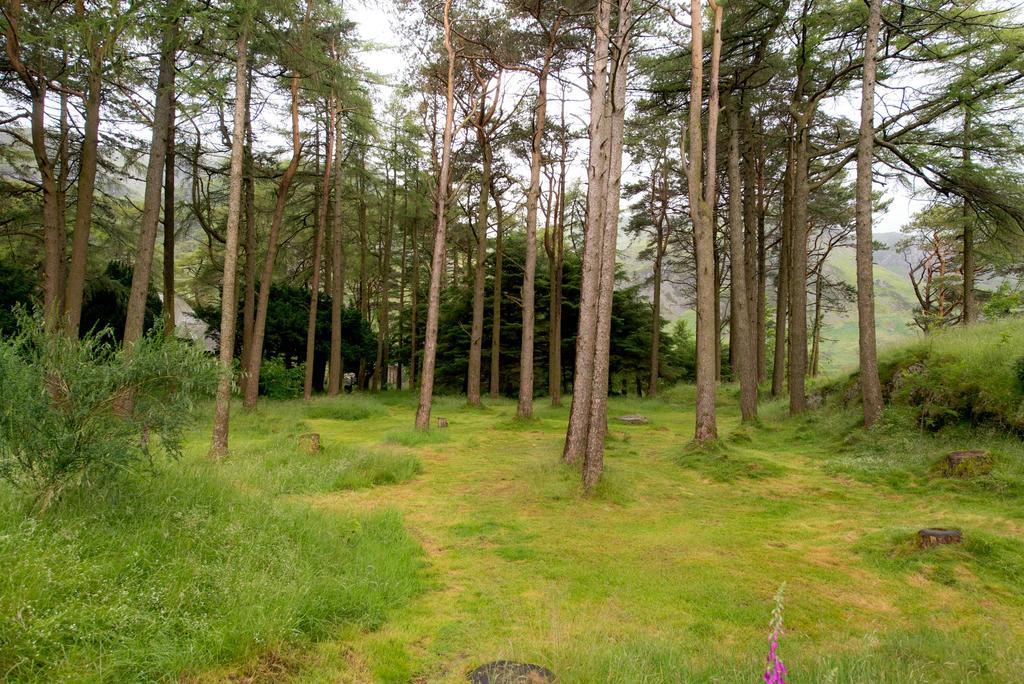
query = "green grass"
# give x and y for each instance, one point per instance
(200, 566)
(665, 574)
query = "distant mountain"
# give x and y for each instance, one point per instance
(894, 299)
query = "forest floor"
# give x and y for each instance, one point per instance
(668, 573)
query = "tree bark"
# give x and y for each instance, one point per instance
(75, 284)
(798, 275)
(969, 265)
(593, 459)
(318, 242)
(556, 259)
(53, 231)
(525, 406)
(169, 227)
(741, 341)
(249, 194)
(228, 298)
(144, 247)
(440, 221)
(493, 386)
(706, 428)
(782, 283)
(334, 367)
(584, 387)
(870, 384)
(476, 334)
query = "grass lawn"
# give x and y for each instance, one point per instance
(669, 572)
(398, 556)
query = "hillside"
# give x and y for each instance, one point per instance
(894, 300)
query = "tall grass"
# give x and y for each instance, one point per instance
(181, 572)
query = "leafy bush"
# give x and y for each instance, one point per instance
(77, 412)
(277, 381)
(1019, 367)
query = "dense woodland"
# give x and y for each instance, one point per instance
(458, 231)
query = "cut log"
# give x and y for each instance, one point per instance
(310, 442)
(934, 536)
(509, 672)
(442, 422)
(632, 419)
(967, 463)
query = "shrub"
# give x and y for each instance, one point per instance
(77, 412)
(1019, 368)
(278, 381)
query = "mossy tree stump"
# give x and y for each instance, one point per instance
(967, 463)
(936, 536)
(310, 442)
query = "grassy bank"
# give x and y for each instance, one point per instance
(199, 566)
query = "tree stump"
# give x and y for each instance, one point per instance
(310, 442)
(967, 463)
(510, 672)
(632, 419)
(442, 422)
(936, 536)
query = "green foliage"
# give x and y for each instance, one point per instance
(105, 302)
(62, 412)
(16, 289)
(279, 381)
(182, 572)
(1004, 303)
(287, 321)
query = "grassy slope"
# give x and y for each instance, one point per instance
(202, 564)
(668, 574)
(894, 305)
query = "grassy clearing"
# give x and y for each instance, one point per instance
(666, 574)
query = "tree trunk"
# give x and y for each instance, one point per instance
(969, 265)
(168, 265)
(740, 339)
(593, 459)
(440, 221)
(334, 367)
(75, 285)
(870, 384)
(476, 335)
(415, 294)
(495, 381)
(144, 247)
(584, 387)
(762, 278)
(798, 275)
(318, 242)
(53, 231)
(249, 194)
(228, 298)
(704, 230)
(816, 324)
(782, 283)
(380, 371)
(525, 406)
